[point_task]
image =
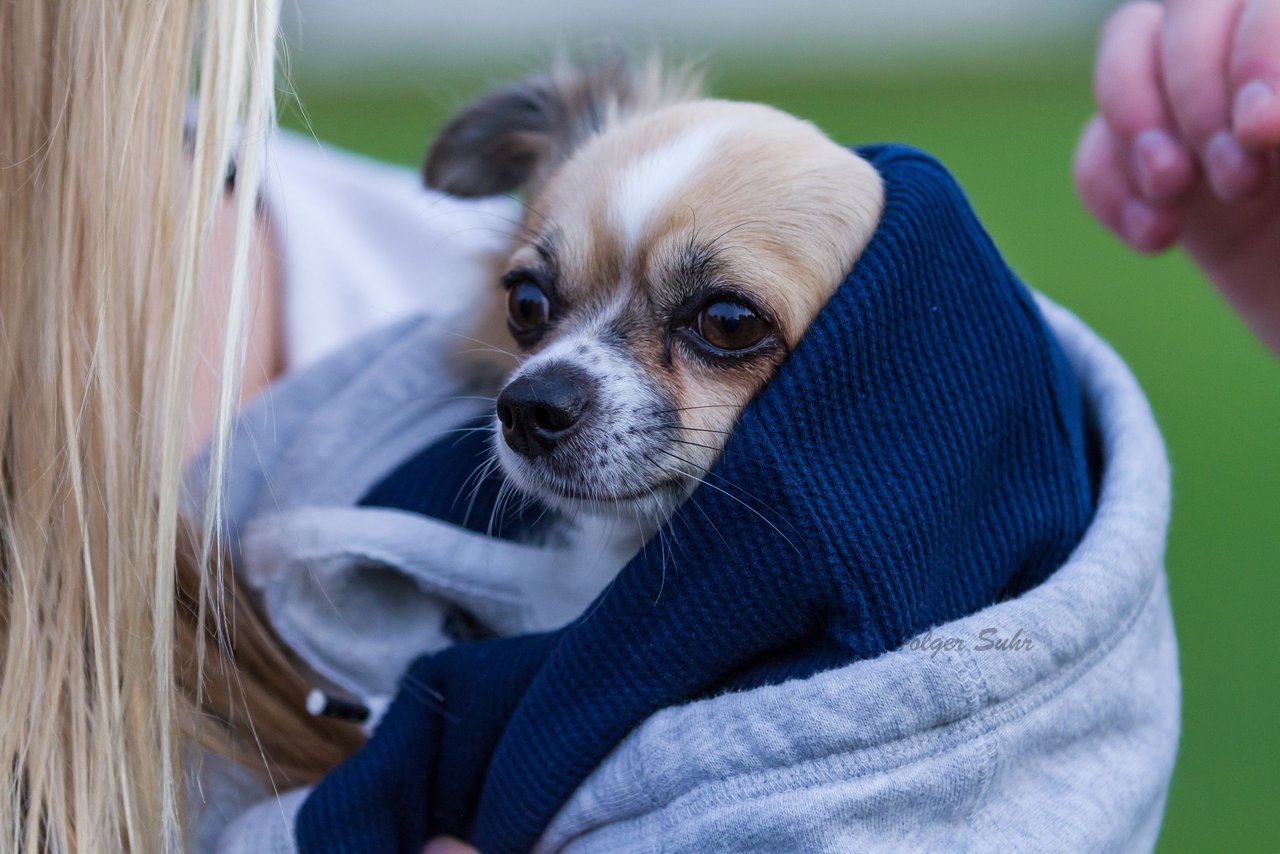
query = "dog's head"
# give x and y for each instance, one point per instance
(673, 252)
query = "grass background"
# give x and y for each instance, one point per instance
(1008, 135)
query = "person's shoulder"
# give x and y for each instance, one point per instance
(305, 154)
(374, 187)
(363, 244)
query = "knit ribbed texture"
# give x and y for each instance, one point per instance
(920, 456)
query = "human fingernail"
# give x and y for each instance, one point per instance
(1139, 220)
(446, 845)
(1256, 104)
(1161, 166)
(1233, 172)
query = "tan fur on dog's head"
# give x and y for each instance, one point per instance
(656, 228)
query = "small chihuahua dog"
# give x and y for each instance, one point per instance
(673, 251)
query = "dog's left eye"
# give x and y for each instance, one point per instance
(528, 307)
(730, 325)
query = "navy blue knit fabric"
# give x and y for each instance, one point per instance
(452, 479)
(920, 456)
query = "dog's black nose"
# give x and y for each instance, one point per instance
(540, 410)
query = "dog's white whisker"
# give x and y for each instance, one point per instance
(694, 444)
(678, 426)
(730, 495)
(486, 345)
(487, 349)
(481, 473)
(702, 406)
(454, 397)
(714, 527)
(464, 431)
(495, 515)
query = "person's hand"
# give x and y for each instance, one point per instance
(448, 845)
(1185, 147)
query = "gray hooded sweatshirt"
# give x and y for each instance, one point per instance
(1048, 722)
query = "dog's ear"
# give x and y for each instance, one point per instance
(513, 137)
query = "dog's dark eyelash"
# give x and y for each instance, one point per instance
(521, 274)
(749, 358)
(714, 291)
(529, 338)
(542, 278)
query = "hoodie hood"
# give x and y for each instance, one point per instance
(1047, 722)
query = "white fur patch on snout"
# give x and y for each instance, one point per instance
(622, 392)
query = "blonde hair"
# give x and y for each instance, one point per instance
(123, 643)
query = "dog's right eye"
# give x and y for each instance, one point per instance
(528, 307)
(730, 326)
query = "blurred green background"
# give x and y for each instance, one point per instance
(1008, 133)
